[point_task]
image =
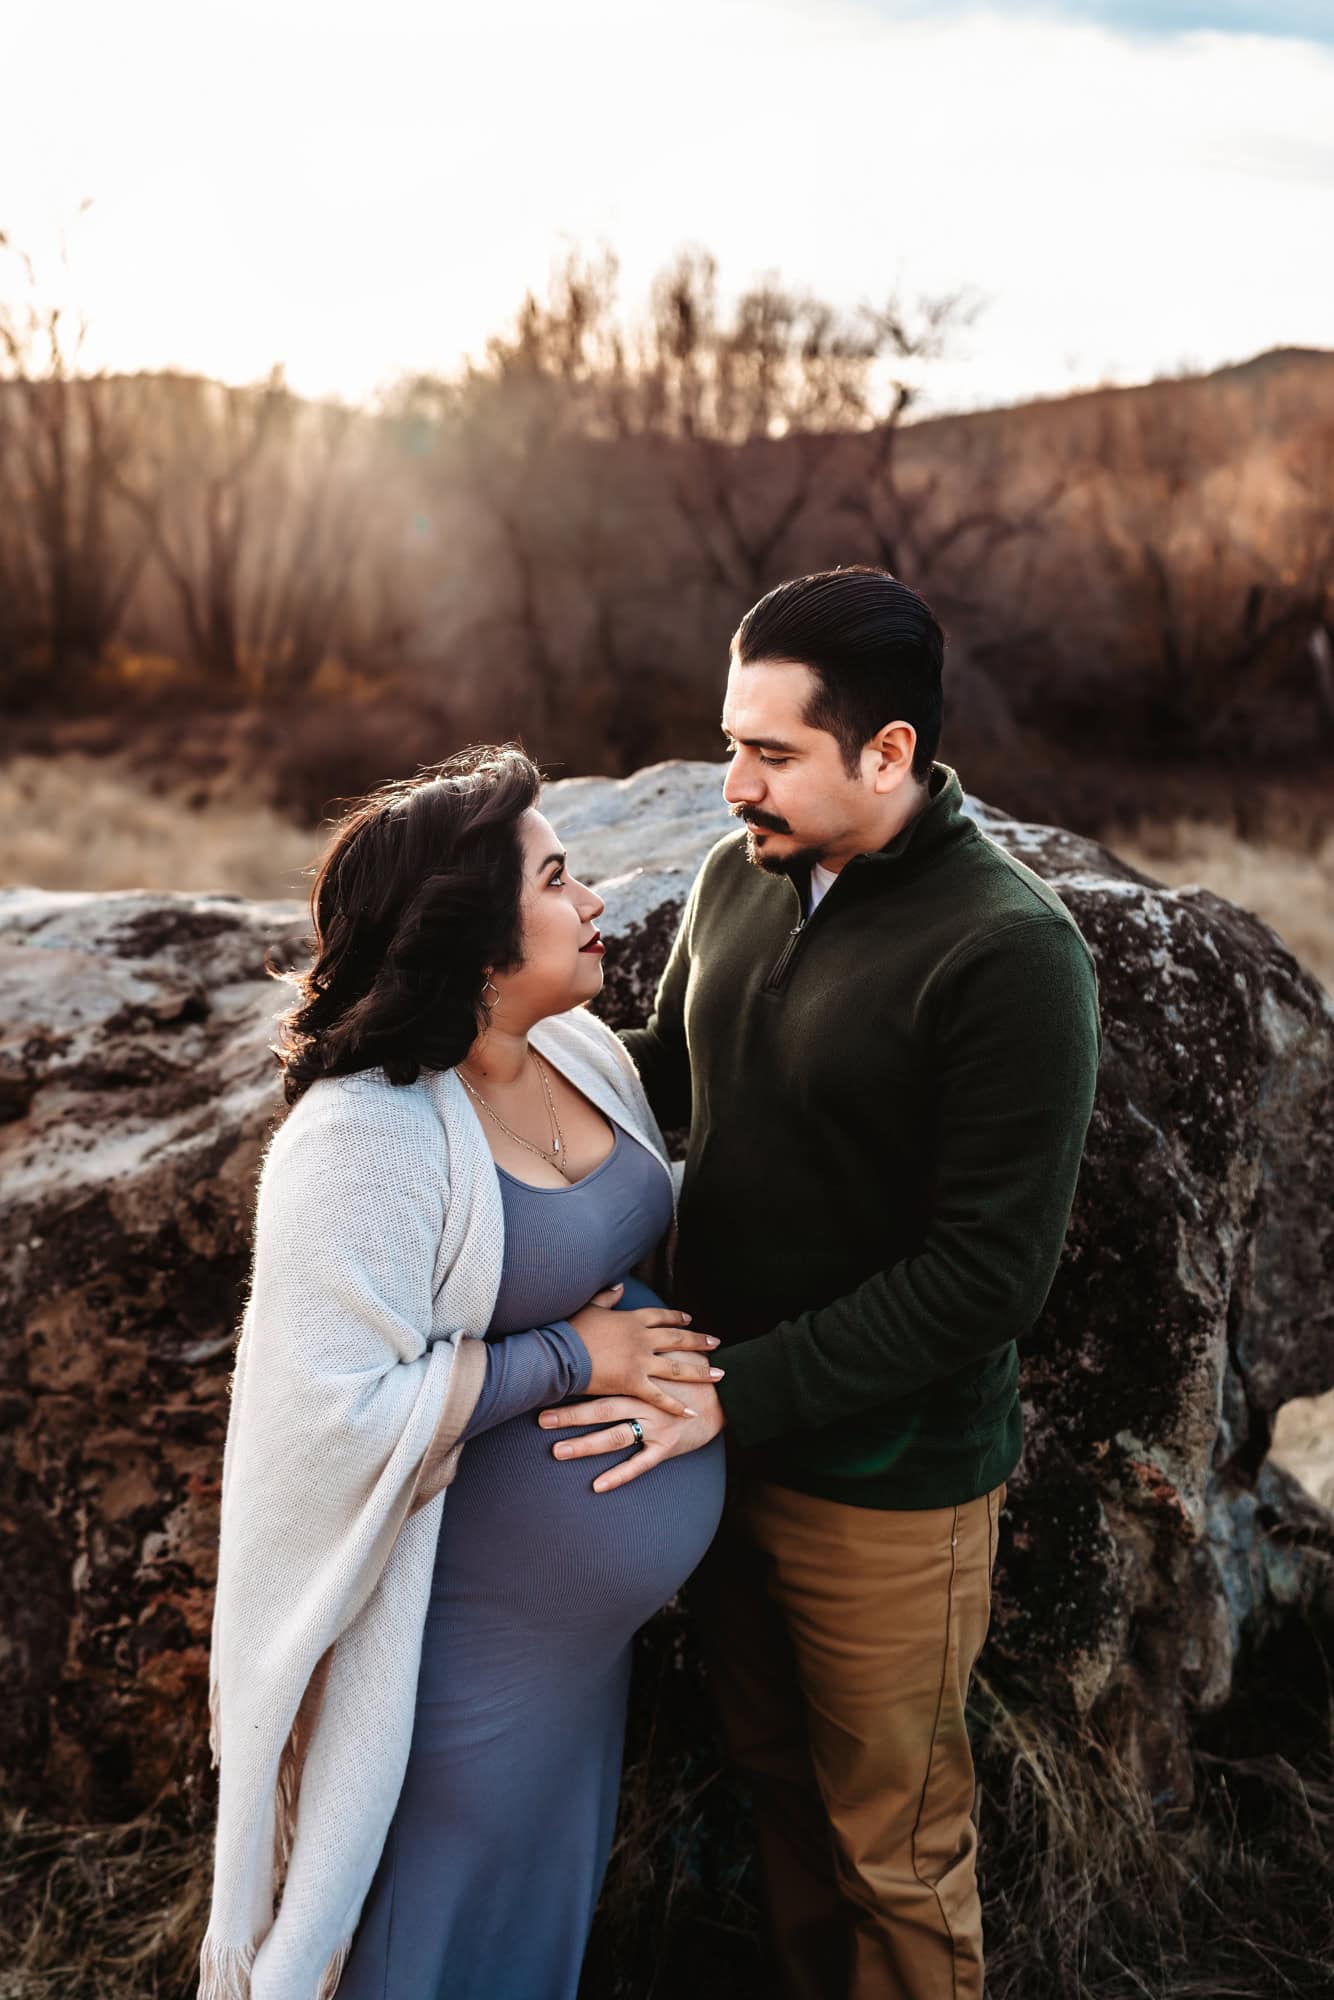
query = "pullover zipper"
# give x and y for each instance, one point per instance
(782, 964)
(784, 959)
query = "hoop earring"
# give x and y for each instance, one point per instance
(488, 1005)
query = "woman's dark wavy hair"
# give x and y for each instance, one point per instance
(418, 894)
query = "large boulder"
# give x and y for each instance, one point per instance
(135, 1093)
(1148, 1533)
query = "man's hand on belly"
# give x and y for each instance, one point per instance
(664, 1436)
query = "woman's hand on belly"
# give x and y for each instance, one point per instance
(636, 1354)
(664, 1436)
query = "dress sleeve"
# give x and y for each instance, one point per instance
(529, 1371)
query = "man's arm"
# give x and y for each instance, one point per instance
(659, 1050)
(1015, 1056)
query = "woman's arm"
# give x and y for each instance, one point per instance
(527, 1370)
(347, 1398)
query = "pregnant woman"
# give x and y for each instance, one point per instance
(418, 1697)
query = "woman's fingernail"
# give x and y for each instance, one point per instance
(690, 1413)
(713, 1340)
(686, 1318)
(716, 1374)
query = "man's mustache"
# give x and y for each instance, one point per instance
(767, 821)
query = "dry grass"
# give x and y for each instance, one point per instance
(1088, 1892)
(101, 1912)
(77, 822)
(1291, 888)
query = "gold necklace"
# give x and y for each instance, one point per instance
(551, 1155)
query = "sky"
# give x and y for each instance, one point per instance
(358, 191)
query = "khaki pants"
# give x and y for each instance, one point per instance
(839, 1642)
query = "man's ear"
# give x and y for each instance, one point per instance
(892, 750)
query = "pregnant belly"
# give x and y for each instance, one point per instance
(525, 1541)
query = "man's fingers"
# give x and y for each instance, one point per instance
(679, 1337)
(662, 1401)
(633, 1468)
(684, 1368)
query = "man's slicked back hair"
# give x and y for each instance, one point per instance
(873, 645)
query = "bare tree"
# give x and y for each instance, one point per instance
(756, 408)
(941, 518)
(485, 449)
(67, 566)
(717, 393)
(624, 467)
(253, 511)
(1220, 561)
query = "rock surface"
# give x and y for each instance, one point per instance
(135, 1090)
(1147, 1536)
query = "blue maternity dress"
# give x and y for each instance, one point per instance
(492, 1866)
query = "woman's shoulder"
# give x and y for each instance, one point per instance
(364, 1118)
(580, 1033)
(586, 1048)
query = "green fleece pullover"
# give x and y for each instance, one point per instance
(887, 1104)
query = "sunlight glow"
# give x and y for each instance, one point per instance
(355, 193)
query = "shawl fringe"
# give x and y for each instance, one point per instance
(224, 1970)
(290, 1766)
(333, 1971)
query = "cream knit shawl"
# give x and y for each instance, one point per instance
(379, 1237)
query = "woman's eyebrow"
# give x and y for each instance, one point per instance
(559, 859)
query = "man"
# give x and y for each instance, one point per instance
(882, 1032)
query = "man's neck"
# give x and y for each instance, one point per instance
(887, 827)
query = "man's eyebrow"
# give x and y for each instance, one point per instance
(761, 742)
